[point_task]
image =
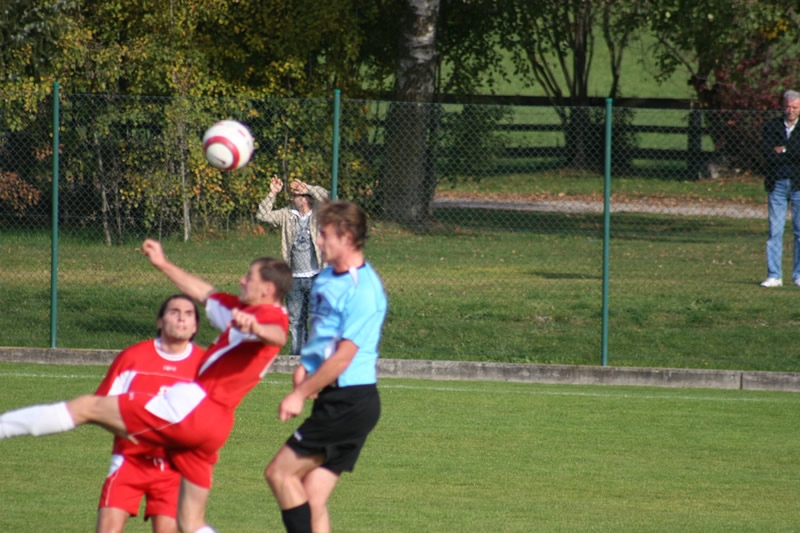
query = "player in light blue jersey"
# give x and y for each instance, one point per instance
(337, 369)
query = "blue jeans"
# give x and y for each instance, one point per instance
(777, 202)
(297, 305)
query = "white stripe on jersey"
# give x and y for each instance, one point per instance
(177, 402)
(220, 316)
(116, 463)
(122, 383)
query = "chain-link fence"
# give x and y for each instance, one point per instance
(487, 223)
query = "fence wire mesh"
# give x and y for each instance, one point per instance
(486, 223)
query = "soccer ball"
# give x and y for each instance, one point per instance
(228, 145)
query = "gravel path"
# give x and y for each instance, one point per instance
(581, 206)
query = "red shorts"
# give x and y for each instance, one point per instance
(133, 477)
(190, 427)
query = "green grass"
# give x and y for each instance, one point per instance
(638, 75)
(462, 456)
(478, 284)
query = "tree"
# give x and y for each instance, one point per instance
(29, 35)
(552, 43)
(408, 180)
(449, 46)
(703, 36)
(737, 57)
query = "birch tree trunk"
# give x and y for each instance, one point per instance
(409, 178)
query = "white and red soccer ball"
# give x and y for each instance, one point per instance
(228, 145)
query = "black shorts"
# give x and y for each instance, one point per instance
(340, 421)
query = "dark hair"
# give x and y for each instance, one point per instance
(345, 217)
(181, 296)
(276, 271)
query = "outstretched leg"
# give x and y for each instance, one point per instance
(46, 419)
(36, 420)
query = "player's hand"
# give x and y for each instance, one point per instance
(291, 406)
(275, 185)
(154, 252)
(244, 322)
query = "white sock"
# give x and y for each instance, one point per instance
(205, 529)
(36, 420)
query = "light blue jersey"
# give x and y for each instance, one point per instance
(351, 306)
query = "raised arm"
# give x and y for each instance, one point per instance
(189, 284)
(318, 194)
(264, 212)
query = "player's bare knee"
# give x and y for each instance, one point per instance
(273, 475)
(277, 478)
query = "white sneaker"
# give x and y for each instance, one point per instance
(775, 282)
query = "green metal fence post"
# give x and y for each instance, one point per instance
(54, 215)
(606, 230)
(335, 163)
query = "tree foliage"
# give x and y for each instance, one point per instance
(159, 72)
(29, 36)
(230, 50)
(704, 37)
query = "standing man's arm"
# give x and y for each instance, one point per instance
(189, 284)
(770, 142)
(318, 194)
(791, 150)
(265, 212)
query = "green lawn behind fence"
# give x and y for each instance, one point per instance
(683, 290)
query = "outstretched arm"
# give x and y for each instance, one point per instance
(189, 284)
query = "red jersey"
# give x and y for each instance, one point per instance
(236, 362)
(146, 368)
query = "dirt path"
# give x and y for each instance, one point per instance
(573, 205)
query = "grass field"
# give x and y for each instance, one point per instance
(638, 75)
(480, 284)
(462, 456)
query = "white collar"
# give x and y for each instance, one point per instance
(172, 356)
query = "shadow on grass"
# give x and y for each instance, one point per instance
(563, 275)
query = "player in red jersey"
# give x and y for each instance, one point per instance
(141, 470)
(190, 420)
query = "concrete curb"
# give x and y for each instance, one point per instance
(461, 370)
